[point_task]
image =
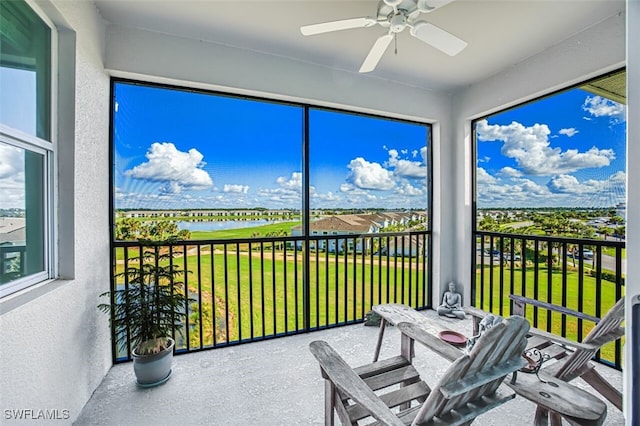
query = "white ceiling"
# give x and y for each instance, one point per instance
(500, 33)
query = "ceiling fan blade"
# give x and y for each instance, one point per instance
(426, 6)
(344, 24)
(438, 38)
(376, 52)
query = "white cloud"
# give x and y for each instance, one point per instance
(405, 188)
(290, 189)
(522, 193)
(483, 177)
(530, 147)
(328, 197)
(402, 167)
(11, 161)
(569, 131)
(12, 183)
(176, 169)
(567, 184)
(352, 189)
(235, 188)
(510, 172)
(602, 107)
(366, 175)
(293, 183)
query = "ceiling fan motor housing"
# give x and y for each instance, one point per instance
(390, 9)
(398, 22)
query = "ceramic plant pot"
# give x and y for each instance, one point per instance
(155, 369)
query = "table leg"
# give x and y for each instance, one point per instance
(555, 419)
(383, 324)
(542, 417)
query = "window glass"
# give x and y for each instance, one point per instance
(25, 70)
(26, 43)
(21, 213)
(364, 164)
(203, 165)
(554, 166)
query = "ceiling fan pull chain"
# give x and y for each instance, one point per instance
(395, 43)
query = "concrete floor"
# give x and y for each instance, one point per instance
(274, 382)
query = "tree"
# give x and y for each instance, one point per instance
(604, 231)
(128, 229)
(131, 229)
(488, 223)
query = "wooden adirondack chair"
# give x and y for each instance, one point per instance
(574, 357)
(468, 388)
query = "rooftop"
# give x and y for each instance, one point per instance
(274, 382)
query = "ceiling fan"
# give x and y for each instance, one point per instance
(396, 15)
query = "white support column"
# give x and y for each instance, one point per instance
(632, 365)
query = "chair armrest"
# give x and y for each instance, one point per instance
(343, 376)
(476, 315)
(562, 340)
(523, 301)
(415, 332)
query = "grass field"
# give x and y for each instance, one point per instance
(254, 296)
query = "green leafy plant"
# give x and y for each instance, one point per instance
(152, 304)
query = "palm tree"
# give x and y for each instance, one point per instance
(604, 231)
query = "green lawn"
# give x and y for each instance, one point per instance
(610, 251)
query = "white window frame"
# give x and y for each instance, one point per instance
(48, 149)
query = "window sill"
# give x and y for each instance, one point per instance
(29, 294)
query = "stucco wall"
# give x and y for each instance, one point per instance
(55, 343)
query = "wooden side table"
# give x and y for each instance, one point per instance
(395, 313)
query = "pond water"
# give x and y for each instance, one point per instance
(218, 225)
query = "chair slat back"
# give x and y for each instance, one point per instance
(500, 345)
(608, 325)
(348, 382)
(605, 331)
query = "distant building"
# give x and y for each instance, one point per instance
(353, 224)
(228, 214)
(13, 231)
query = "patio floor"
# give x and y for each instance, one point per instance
(274, 382)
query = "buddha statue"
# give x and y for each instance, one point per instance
(451, 305)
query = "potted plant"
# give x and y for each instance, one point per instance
(147, 310)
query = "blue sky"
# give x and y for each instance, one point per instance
(567, 150)
(177, 149)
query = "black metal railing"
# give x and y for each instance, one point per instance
(252, 289)
(582, 274)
